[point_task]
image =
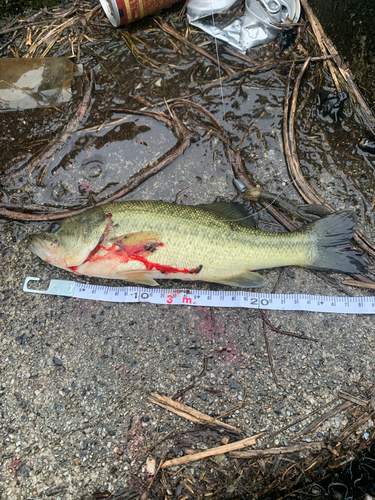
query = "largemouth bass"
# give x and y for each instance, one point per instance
(142, 241)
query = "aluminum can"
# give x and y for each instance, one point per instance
(121, 12)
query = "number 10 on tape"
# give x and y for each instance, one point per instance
(187, 297)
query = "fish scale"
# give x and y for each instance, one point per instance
(193, 236)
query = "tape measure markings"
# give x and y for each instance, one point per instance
(193, 297)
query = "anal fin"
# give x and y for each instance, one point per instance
(140, 277)
(247, 279)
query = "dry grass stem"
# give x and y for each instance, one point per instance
(168, 29)
(303, 187)
(353, 399)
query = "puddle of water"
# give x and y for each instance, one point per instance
(98, 163)
(94, 164)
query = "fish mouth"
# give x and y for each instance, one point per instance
(39, 247)
(36, 247)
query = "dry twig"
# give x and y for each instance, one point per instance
(190, 413)
(356, 425)
(272, 63)
(269, 354)
(269, 452)
(192, 385)
(163, 438)
(323, 418)
(353, 399)
(186, 459)
(360, 284)
(235, 408)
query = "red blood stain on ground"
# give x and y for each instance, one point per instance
(85, 308)
(15, 464)
(210, 329)
(138, 439)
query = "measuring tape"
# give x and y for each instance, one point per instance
(185, 297)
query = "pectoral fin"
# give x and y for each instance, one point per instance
(138, 238)
(139, 243)
(247, 279)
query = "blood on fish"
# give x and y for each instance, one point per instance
(74, 269)
(125, 253)
(163, 268)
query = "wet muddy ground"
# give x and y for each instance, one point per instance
(349, 26)
(76, 375)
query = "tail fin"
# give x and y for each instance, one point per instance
(331, 236)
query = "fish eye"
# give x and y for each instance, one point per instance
(53, 228)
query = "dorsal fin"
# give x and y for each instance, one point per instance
(232, 211)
